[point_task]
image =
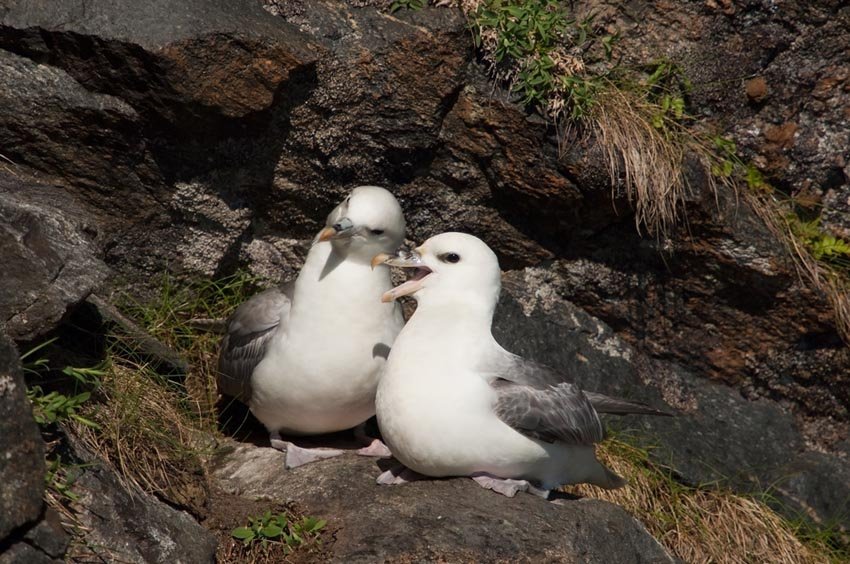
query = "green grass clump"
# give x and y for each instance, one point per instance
(540, 50)
(183, 316)
(158, 431)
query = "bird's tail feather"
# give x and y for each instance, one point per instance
(606, 478)
(607, 404)
(613, 480)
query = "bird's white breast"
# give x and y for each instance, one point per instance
(321, 375)
(435, 411)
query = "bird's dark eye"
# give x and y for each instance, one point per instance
(377, 231)
(450, 257)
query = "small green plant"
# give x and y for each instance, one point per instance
(407, 5)
(56, 479)
(822, 245)
(665, 89)
(55, 407)
(38, 365)
(540, 51)
(276, 528)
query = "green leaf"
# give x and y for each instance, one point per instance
(271, 531)
(243, 533)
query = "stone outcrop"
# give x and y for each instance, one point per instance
(50, 253)
(438, 520)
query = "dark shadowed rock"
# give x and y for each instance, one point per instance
(436, 520)
(49, 249)
(716, 436)
(21, 450)
(45, 542)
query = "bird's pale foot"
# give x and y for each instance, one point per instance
(297, 456)
(277, 442)
(398, 475)
(507, 486)
(375, 448)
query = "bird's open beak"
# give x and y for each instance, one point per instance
(339, 230)
(403, 259)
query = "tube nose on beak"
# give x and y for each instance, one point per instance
(404, 258)
(380, 259)
(325, 234)
(342, 228)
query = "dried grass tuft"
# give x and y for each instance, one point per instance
(146, 436)
(699, 525)
(816, 274)
(645, 161)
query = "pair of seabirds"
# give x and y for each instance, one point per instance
(330, 350)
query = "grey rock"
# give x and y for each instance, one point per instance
(151, 24)
(49, 248)
(436, 520)
(716, 435)
(136, 527)
(48, 536)
(50, 122)
(45, 542)
(21, 449)
(23, 553)
(128, 102)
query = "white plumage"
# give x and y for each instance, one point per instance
(452, 402)
(307, 357)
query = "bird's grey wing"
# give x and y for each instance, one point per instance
(559, 413)
(248, 332)
(522, 371)
(519, 370)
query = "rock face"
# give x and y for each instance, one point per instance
(439, 520)
(727, 301)
(49, 248)
(136, 527)
(21, 449)
(222, 138)
(182, 110)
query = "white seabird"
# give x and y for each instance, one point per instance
(306, 357)
(452, 402)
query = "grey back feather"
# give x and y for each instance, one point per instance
(523, 371)
(559, 413)
(248, 332)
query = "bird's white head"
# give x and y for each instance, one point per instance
(367, 222)
(451, 268)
